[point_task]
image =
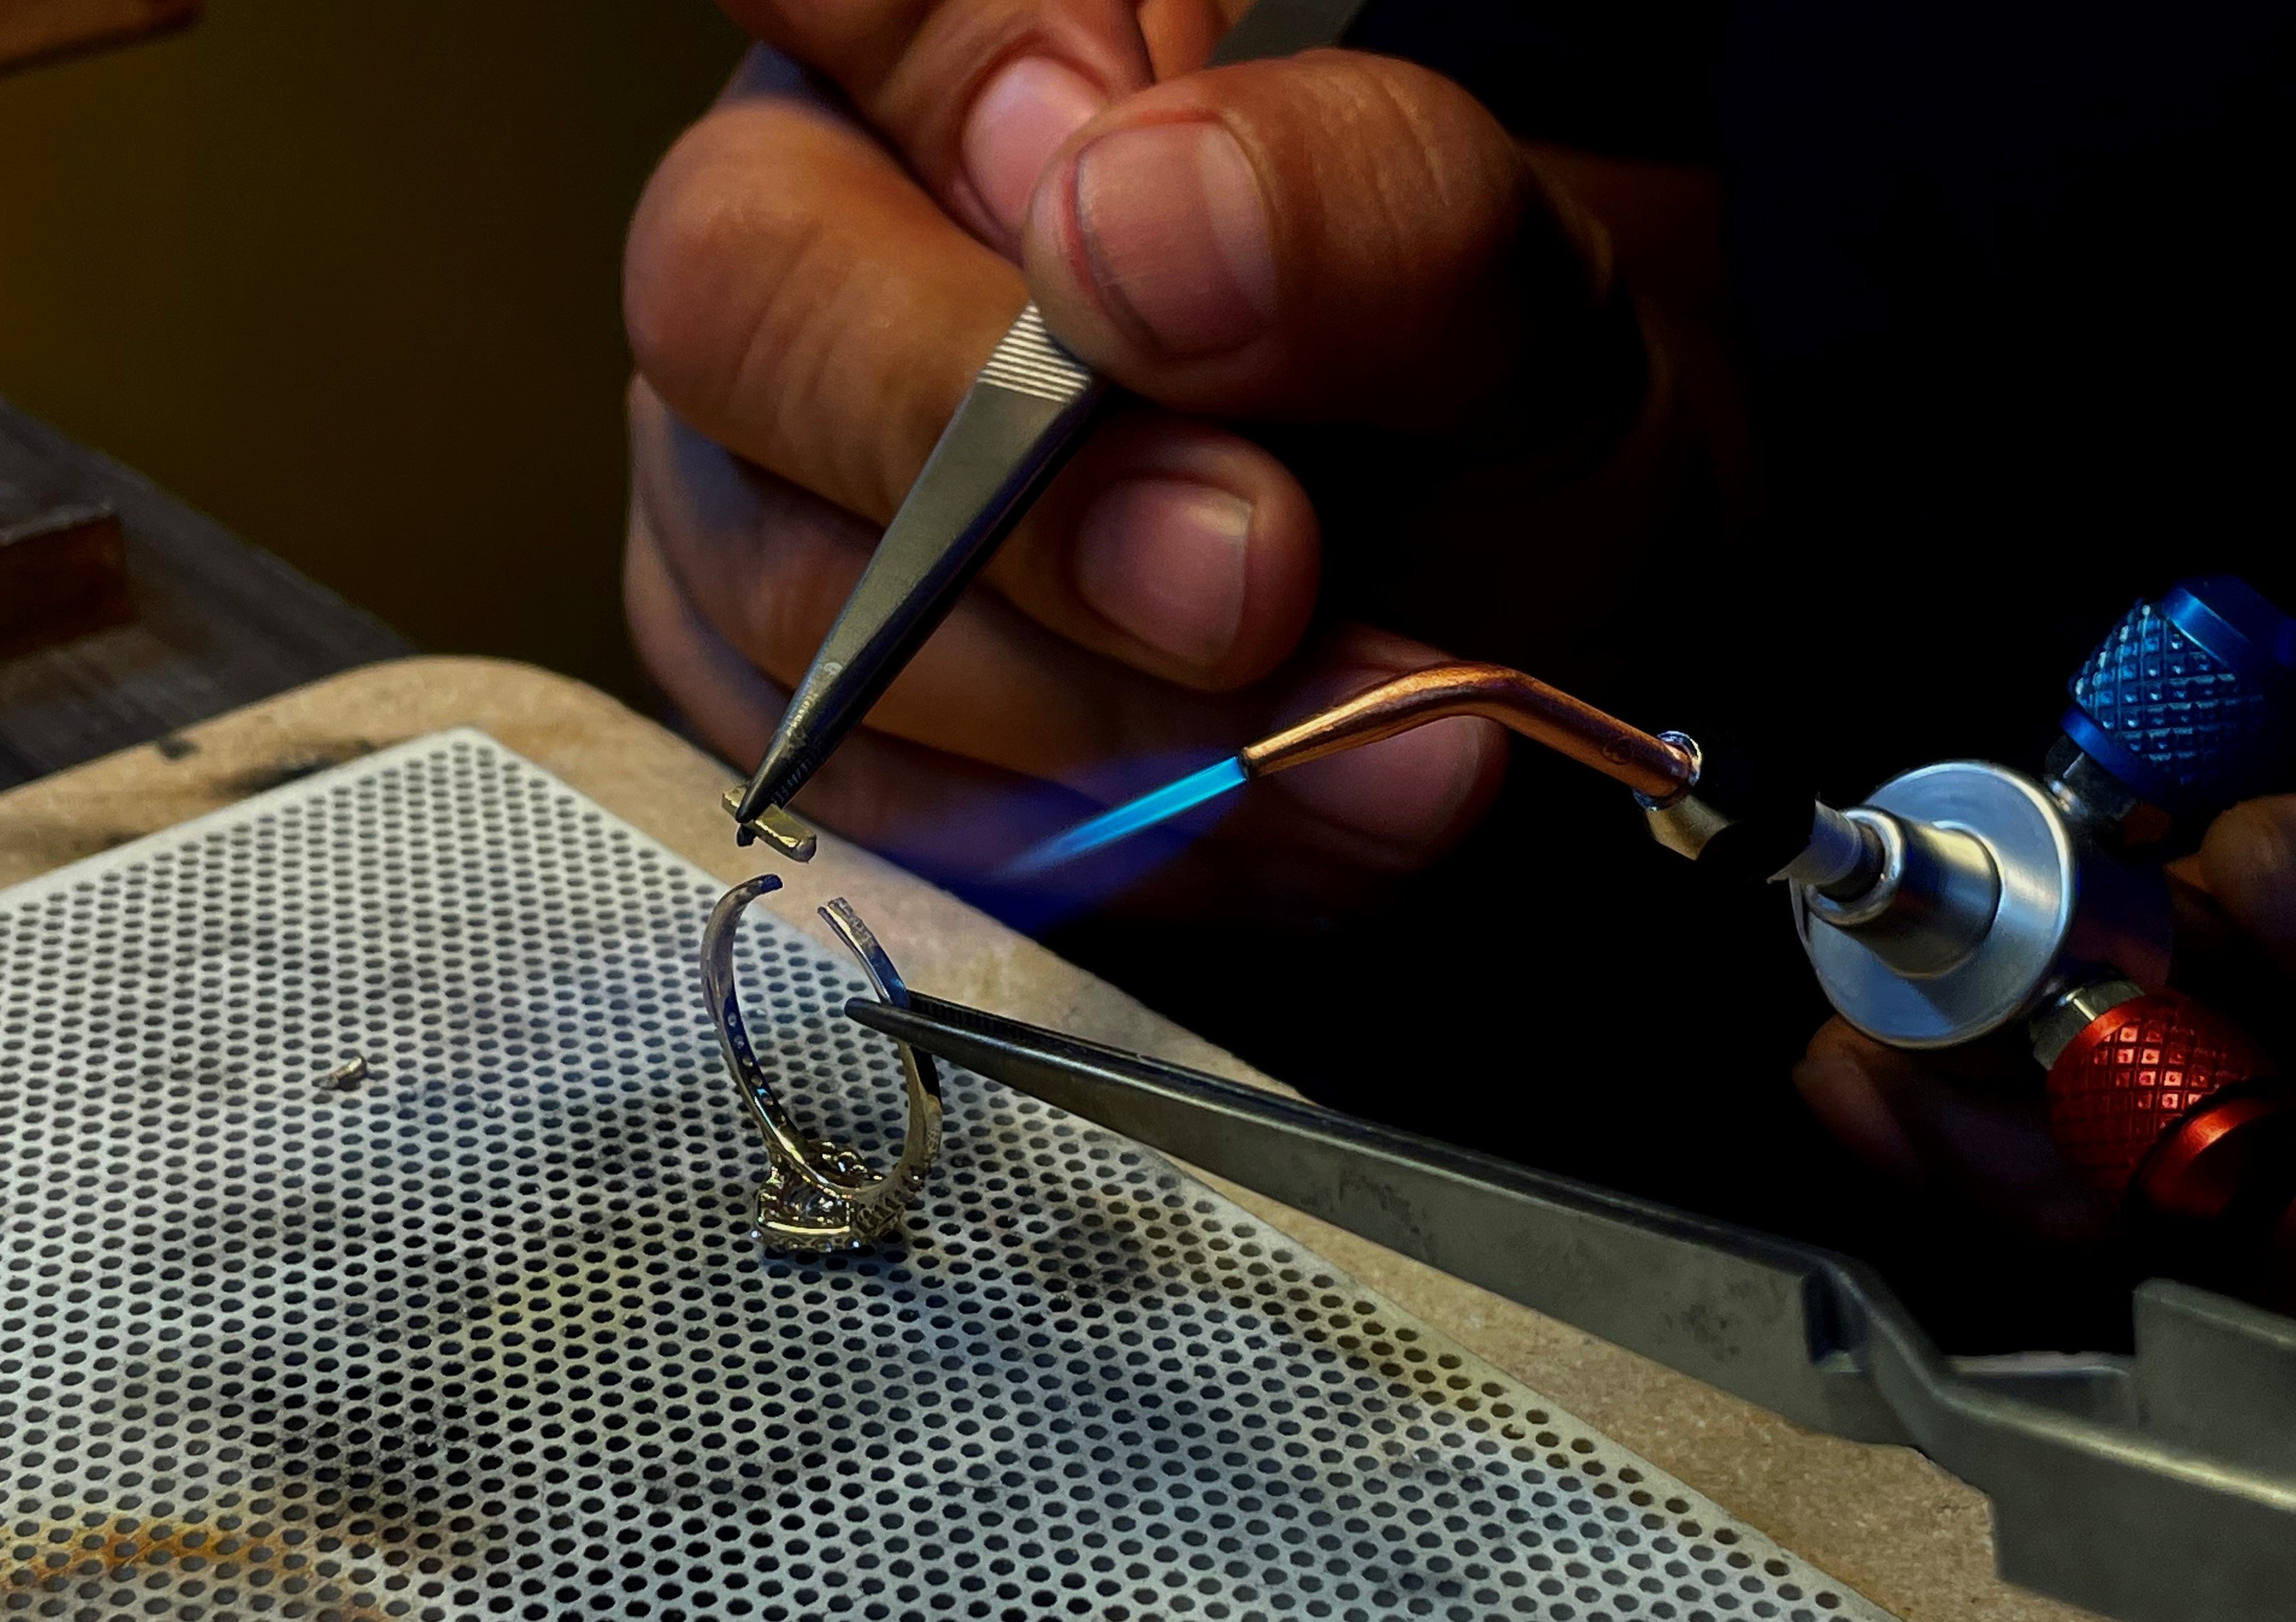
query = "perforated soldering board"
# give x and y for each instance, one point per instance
(483, 1334)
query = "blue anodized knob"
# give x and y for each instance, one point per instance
(2188, 701)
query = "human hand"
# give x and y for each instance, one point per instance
(1971, 1124)
(1338, 239)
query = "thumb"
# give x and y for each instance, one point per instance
(1332, 237)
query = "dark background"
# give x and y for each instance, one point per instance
(347, 278)
(2013, 283)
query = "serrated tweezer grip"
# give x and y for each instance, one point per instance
(1029, 360)
(1017, 424)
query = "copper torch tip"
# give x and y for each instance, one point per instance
(1660, 770)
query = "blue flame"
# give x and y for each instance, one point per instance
(1130, 818)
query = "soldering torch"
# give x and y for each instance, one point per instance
(1964, 898)
(1958, 901)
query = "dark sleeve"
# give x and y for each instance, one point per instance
(2012, 282)
(1634, 77)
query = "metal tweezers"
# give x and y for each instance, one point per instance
(1025, 413)
(2159, 1487)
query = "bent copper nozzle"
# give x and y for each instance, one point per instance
(1653, 767)
(1660, 770)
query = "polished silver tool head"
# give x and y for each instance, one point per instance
(1986, 895)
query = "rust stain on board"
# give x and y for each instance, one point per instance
(48, 1563)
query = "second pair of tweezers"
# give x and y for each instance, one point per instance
(2157, 1488)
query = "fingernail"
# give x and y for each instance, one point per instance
(1017, 124)
(1166, 560)
(1176, 235)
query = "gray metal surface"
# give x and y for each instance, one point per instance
(482, 1333)
(2196, 1347)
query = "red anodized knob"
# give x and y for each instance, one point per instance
(2150, 1092)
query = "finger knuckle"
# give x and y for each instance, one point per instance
(685, 241)
(737, 278)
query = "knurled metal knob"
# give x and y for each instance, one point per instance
(2188, 701)
(2152, 1092)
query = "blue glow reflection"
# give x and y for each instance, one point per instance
(1153, 807)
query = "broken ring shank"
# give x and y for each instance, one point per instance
(820, 1194)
